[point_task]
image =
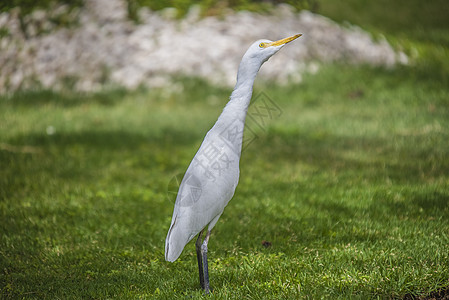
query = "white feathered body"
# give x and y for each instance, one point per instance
(212, 176)
(209, 182)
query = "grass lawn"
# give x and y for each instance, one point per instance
(344, 190)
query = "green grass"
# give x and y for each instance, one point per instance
(348, 181)
(349, 184)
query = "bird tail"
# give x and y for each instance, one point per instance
(175, 242)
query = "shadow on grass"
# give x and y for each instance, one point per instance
(83, 156)
(110, 140)
(393, 182)
(64, 99)
(411, 204)
(396, 159)
(441, 294)
(105, 140)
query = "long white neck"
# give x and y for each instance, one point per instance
(231, 123)
(238, 104)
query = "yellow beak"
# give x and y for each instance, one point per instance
(282, 42)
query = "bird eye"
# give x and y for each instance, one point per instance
(262, 45)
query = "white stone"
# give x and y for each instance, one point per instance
(106, 43)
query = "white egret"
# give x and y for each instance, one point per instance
(212, 176)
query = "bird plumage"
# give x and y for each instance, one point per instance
(211, 178)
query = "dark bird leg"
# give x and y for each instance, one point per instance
(205, 266)
(200, 258)
(201, 255)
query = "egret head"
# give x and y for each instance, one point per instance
(262, 50)
(258, 53)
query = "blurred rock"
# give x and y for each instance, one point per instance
(105, 47)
